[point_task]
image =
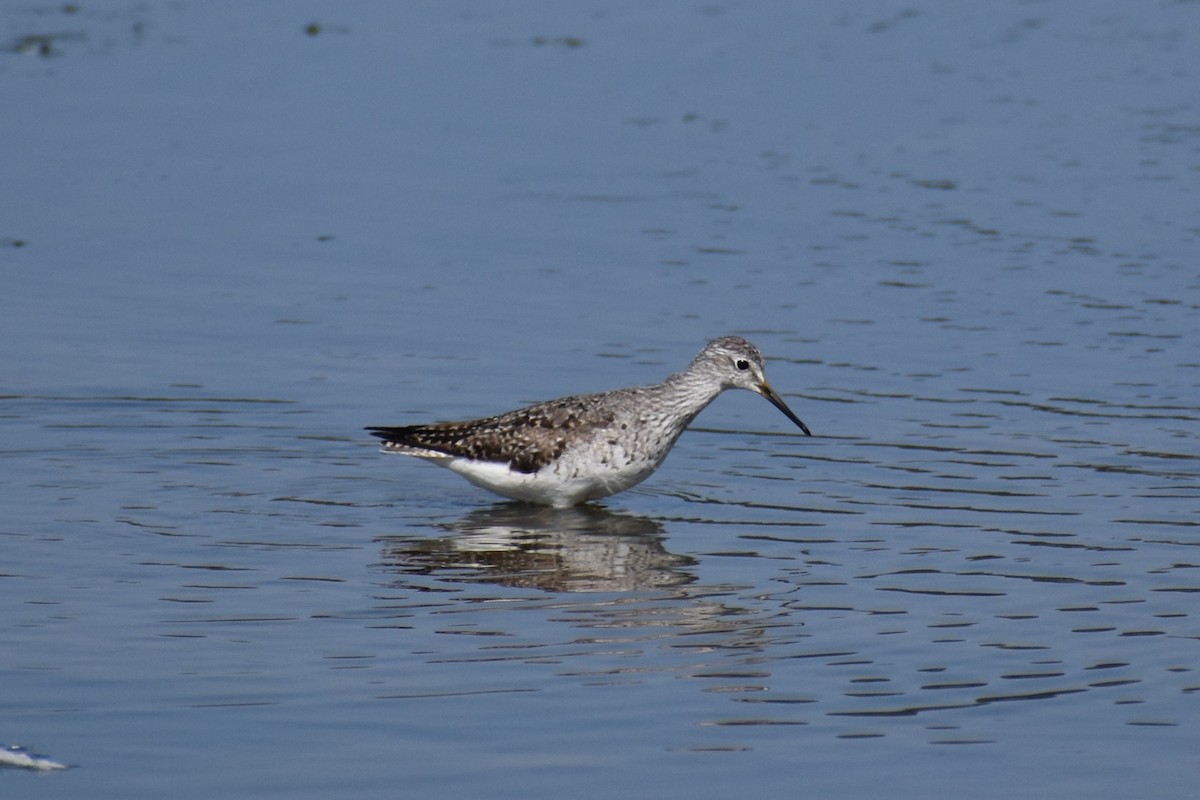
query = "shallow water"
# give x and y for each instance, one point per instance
(965, 241)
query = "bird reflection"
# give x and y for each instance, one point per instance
(578, 549)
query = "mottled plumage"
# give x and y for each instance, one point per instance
(526, 439)
(567, 451)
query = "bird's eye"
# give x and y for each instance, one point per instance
(743, 364)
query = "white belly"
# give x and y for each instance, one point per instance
(574, 478)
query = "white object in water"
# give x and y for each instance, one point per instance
(17, 756)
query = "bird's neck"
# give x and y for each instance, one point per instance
(688, 392)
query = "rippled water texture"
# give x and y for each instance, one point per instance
(965, 238)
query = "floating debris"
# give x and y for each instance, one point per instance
(20, 757)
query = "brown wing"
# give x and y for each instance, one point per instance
(526, 439)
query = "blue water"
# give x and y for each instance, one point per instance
(965, 238)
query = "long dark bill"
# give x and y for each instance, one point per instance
(766, 391)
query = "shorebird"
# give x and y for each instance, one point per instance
(585, 447)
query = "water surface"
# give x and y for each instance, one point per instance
(965, 241)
